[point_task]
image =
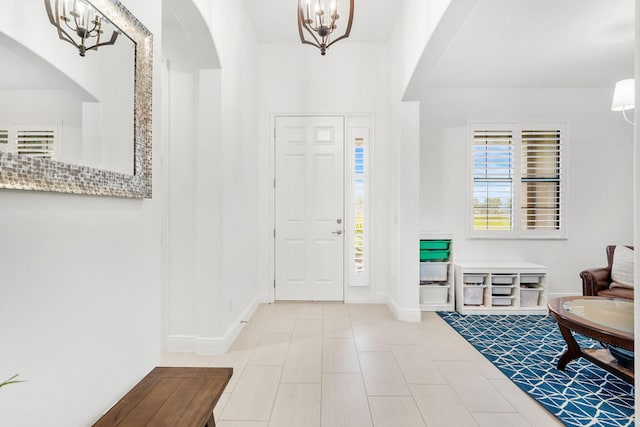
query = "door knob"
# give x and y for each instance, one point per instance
(337, 232)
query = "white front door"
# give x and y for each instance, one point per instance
(309, 208)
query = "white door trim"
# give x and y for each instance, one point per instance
(268, 295)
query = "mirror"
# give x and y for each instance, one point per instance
(72, 123)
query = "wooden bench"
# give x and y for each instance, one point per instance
(170, 396)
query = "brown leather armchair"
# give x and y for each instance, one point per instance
(597, 281)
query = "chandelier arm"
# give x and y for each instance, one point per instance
(114, 36)
(302, 24)
(317, 43)
(344, 36)
(68, 26)
(47, 5)
(92, 30)
(348, 30)
(67, 38)
(75, 20)
(62, 34)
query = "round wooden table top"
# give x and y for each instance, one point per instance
(602, 318)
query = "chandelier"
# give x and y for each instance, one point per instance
(82, 20)
(318, 18)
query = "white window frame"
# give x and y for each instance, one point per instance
(517, 232)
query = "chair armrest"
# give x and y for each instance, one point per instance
(594, 280)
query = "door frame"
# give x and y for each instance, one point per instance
(350, 120)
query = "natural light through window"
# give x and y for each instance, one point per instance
(358, 244)
(358, 204)
(517, 181)
(492, 180)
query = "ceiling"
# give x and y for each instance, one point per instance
(29, 71)
(540, 43)
(502, 43)
(275, 20)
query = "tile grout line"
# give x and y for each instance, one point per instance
(366, 393)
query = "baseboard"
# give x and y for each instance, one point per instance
(181, 344)
(264, 298)
(404, 314)
(213, 345)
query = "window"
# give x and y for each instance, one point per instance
(34, 140)
(36, 143)
(4, 140)
(517, 181)
(358, 204)
(359, 148)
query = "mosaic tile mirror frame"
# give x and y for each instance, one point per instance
(27, 173)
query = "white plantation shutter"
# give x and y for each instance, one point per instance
(37, 140)
(517, 184)
(540, 177)
(36, 143)
(4, 139)
(492, 179)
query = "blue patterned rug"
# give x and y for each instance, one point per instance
(526, 349)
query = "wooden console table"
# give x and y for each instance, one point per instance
(170, 396)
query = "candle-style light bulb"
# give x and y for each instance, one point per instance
(334, 13)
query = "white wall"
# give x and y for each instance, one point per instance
(180, 165)
(212, 178)
(238, 52)
(598, 167)
(350, 79)
(80, 294)
(61, 107)
(409, 40)
(236, 206)
(406, 48)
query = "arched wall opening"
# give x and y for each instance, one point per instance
(191, 183)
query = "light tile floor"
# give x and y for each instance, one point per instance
(351, 365)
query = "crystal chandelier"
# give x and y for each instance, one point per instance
(82, 20)
(319, 19)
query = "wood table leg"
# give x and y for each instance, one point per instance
(210, 422)
(573, 349)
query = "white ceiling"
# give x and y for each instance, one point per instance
(275, 20)
(28, 71)
(540, 43)
(502, 43)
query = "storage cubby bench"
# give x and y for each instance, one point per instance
(500, 287)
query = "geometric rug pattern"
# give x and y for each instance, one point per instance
(526, 349)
